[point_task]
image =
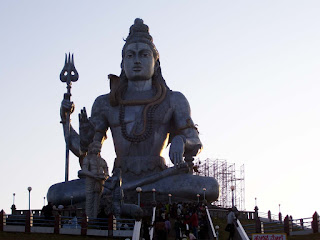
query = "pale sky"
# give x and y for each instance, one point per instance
(250, 70)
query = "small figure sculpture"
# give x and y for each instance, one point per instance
(95, 169)
(113, 187)
(144, 115)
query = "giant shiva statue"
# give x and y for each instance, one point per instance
(144, 116)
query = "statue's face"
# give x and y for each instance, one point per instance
(138, 62)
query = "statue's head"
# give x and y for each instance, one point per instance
(139, 33)
(140, 41)
(95, 147)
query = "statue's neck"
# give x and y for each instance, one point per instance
(139, 86)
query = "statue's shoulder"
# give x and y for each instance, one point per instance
(103, 99)
(101, 103)
(177, 98)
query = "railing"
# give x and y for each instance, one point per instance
(16, 220)
(290, 226)
(67, 225)
(222, 213)
(272, 217)
(125, 224)
(136, 230)
(249, 229)
(71, 222)
(68, 211)
(151, 232)
(301, 224)
(240, 231)
(212, 233)
(272, 227)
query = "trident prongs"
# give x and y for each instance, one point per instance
(69, 72)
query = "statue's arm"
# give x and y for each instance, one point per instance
(74, 144)
(187, 138)
(99, 119)
(84, 172)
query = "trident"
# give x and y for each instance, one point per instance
(68, 75)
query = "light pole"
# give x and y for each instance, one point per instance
(217, 231)
(29, 189)
(280, 214)
(44, 201)
(13, 207)
(198, 197)
(232, 190)
(154, 194)
(169, 195)
(204, 193)
(256, 214)
(139, 190)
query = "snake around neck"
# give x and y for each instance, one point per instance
(148, 112)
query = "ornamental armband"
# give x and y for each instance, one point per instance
(189, 125)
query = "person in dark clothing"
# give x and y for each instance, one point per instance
(146, 228)
(194, 222)
(160, 227)
(47, 211)
(177, 228)
(230, 224)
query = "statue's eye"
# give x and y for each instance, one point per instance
(129, 55)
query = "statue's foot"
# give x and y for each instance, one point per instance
(182, 187)
(185, 186)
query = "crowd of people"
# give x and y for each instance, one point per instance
(182, 220)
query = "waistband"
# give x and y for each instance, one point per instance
(139, 164)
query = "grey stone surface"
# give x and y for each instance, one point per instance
(143, 115)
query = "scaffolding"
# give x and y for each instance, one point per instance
(228, 177)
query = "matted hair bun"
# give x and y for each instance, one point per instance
(139, 32)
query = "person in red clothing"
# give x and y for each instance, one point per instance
(194, 222)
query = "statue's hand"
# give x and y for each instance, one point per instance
(177, 150)
(102, 177)
(86, 130)
(83, 117)
(66, 107)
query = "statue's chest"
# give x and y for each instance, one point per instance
(141, 114)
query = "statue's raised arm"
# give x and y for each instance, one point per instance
(78, 142)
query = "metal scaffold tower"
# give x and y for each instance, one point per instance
(226, 175)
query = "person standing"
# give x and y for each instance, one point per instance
(194, 222)
(230, 224)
